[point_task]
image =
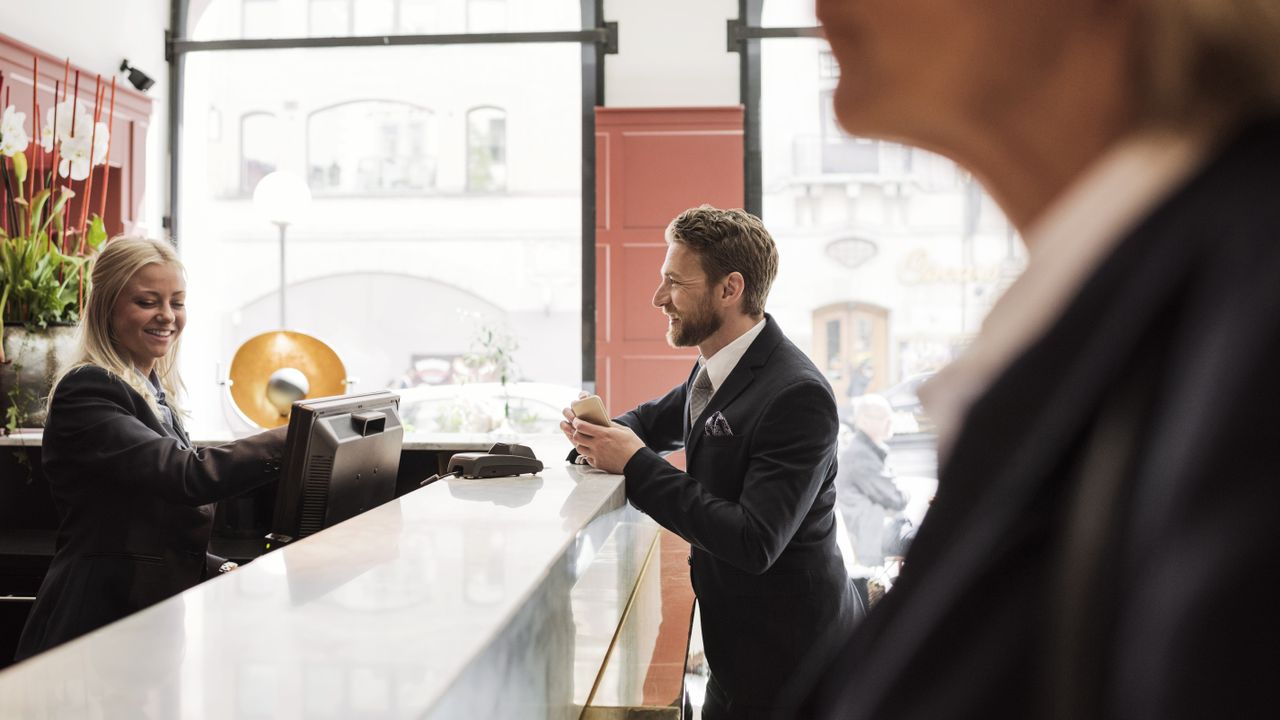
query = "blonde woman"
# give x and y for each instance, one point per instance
(136, 501)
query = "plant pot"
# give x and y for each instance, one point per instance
(33, 358)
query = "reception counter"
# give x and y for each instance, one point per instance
(524, 597)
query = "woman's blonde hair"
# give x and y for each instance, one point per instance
(121, 258)
(1207, 59)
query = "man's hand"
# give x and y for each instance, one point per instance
(605, 448)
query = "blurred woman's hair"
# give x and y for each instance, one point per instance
(121, 258)
(1207, 59)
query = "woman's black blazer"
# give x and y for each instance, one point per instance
(135, 505)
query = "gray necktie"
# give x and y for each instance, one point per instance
(701, 394)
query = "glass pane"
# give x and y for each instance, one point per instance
(420, 17)
(375, 17)
(486, 16)
(233, 19)
(788, 13)
(397, 264)
(259, 143)
(891, 256)
(261, 18)
(329, 18)
(486, 149)
(372, 146)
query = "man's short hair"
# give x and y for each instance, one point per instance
(726, 241)
(1199, 58)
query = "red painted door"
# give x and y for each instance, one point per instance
(651, 163)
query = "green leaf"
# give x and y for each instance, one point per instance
(20, 166)
(55, 214)
(96, 235)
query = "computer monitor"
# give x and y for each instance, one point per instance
(341, 457)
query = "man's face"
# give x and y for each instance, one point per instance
(686, 298)
(922, 71)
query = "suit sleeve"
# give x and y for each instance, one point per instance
(788, 464)
(92, 432)
(659, 423)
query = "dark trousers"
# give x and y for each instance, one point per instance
(716, 704)
(719, 706)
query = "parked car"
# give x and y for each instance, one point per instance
(909, 415)
(527, 407)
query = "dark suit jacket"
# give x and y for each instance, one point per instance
(135, 507)
(1102, 531)
(757, 507)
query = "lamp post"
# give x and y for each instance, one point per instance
(281, 198)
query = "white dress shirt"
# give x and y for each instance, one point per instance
(1067, 243)
(723, 362)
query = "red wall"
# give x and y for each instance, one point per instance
(651, 163)
(127, 159)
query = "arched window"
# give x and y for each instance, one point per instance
(371, 146)
(486, 149)
(259, 148)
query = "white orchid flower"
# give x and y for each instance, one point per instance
(82, 124)
(13, 136)
(74, 151)
(75, 157)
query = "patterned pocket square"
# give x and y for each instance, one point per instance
(717, 426)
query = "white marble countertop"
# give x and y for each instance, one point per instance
(405, 611)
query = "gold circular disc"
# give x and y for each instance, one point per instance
(263, 354)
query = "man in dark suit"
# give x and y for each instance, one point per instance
(1109, 444)
(758, 425)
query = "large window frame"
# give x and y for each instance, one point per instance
(597, 38)
(744, 36)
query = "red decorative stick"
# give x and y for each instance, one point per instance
(4, 200)
(35, 122)
(57, 146)
(37, 150)
(88, 182)
(106, 166)
(75, 103)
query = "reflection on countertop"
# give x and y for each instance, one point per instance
(455, 600)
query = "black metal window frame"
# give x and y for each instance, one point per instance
(744, 36)
(597, 38)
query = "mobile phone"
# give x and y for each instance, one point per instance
(591, 409)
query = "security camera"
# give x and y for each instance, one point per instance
(137, 78)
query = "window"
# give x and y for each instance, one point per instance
(486, 16)
(371, 146)
(329, 18)
(827, 66)
(405, 230)
(486, 150)
(259, 144)
(419, 17)
(374, 17)
(892, 255)
(259, 18)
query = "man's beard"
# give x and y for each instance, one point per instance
(695, 326)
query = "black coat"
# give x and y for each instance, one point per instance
(135, 506)
(1103, 530)
(758, 508)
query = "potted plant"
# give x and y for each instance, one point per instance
(45, 247)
